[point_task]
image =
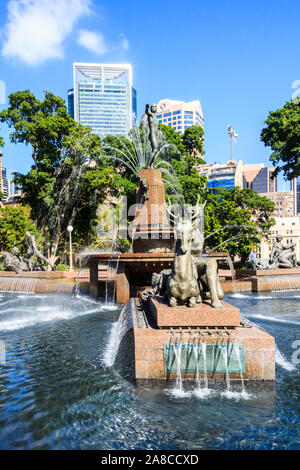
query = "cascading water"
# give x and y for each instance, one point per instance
(203, 346)
(196, 354)
(224, 350)
(177, 351)
(200, 351)
(18, 284)
(237, 352)
(117, 333)
(110, 286)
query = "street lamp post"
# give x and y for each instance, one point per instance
(70, 230)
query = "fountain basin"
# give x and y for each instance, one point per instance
(271, 279)
(151, 342)
(134, 271)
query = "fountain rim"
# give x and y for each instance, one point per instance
(149, 256)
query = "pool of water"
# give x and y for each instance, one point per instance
(57, 391)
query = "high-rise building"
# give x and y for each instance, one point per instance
(71, 102)
(4, 182)
(259, 178)
(14, 191)
(104, 98)
(1, 182)
(3, 178)
(295, 187)
(179, 114)
(223, 175)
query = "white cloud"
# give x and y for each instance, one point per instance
(92, 41)
(125, 43)
(35, 29)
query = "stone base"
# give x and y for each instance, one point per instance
(201, 315)
(150, 344)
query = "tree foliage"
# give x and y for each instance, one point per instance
(236, 219)
(184, 164)
(193, 140)
(14, 222)
(282, 135)
(68, 178)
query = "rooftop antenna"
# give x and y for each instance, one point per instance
(233, 135)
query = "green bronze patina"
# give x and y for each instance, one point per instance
(215, 362)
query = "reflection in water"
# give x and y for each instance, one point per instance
(56, 392)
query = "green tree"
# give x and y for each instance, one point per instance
(68, 178)
(282, 135)
(41, 124)
(236, 220)
(190, 182)
(193, 140)
(14, 222)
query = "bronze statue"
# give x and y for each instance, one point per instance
(13, 261)
(283, 257)
(31, 250)
(193, 276)
(155, 136)
(182, 286)
(159, 282)
(153, 126)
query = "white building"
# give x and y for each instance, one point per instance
(179, 114)
(289, 229)
(104, 98)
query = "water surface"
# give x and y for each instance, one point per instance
(57, 392)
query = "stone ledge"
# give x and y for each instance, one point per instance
(200, 315)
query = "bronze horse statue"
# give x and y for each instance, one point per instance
(190, 264)
(182, 286)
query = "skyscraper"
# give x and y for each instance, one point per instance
(3, 178)
(104, 98)
(295, 187)
(179, 114)
(259, 178)
(71, 102)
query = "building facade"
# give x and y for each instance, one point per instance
(179, 114)
(284, 203)
(71, 102)
(223, 175)
(295, 187)
(103, 98)
(289, 229)
(259, 178)
(3, 179)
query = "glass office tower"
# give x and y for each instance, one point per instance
(71, 102)
(104, 98)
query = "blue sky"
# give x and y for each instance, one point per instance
(239, 58)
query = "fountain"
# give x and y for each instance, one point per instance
(185, 299)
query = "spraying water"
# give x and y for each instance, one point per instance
(117, 333)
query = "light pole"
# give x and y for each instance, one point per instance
(70, 230)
